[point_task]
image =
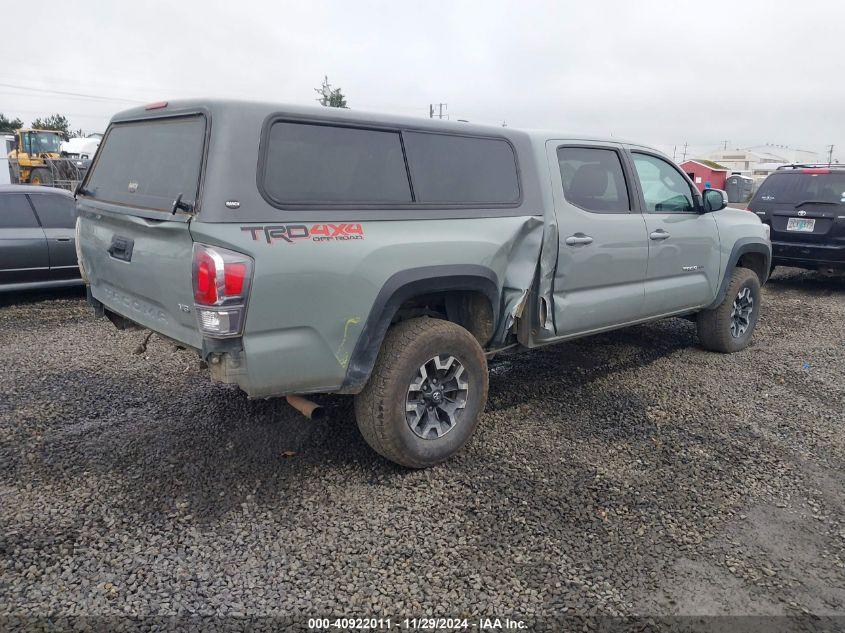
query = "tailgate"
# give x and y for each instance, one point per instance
(134, 240)
(141, 269)
(827, 223)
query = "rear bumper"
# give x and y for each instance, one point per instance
(263, 365)
(808, 255)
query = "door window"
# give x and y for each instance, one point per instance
(15, 212)
(54, 211)
(664, 188)
(593, 179)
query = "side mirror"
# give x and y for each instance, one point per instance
(714, 200)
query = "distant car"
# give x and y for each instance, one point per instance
(37, 238)
(81, 147)
(805, 207)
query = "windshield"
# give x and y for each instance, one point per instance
(149, 163)
(795, 188)
(44, 143)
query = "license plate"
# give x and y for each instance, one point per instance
(800, 224)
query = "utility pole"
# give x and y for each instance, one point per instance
(725, 143)
(674, 152)
(684, 159)
(440, 114)
(829, 155)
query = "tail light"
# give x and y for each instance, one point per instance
(221, 289)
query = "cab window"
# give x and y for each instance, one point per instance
(593, 179)
(665, 190)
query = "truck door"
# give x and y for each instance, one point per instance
(23, 246)
(602, 244)
(683, 245)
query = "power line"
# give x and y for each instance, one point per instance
(69, 94)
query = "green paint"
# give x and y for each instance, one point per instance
(341, 354)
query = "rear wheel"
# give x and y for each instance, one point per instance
(729, 326)
(41, 176)
(428, 388)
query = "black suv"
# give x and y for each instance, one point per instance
(805, 207)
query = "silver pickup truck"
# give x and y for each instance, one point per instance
(305, 250)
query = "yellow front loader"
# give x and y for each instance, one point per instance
(36, 159)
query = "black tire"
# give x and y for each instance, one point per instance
(717, 329)
(381, 408)
(41, 176)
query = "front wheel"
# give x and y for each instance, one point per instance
(424, 398)
(41, 176)
(729, 326)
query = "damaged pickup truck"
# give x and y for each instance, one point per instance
(307, 250)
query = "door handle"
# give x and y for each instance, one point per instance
(578, 238)
(63, 239)
(659, 234)
(121, 248)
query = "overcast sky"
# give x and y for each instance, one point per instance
(658, 72)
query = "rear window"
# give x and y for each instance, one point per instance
(149, 163)
(322, 163)
(459, 169)
(796, 187)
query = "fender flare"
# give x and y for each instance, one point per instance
(405, 285)
(740, 248)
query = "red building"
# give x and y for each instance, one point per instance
(706, 174)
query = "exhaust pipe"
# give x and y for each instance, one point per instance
(308, 408)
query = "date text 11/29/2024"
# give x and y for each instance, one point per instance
(428, 624)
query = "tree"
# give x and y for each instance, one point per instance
(56, 122)
(337, 100)
(8, 126)
(330, 98)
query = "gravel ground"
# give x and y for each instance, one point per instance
(629, 473)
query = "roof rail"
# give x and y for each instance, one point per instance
(812, 166)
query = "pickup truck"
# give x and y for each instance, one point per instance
(320, 250)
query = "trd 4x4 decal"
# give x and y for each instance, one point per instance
(314, 232)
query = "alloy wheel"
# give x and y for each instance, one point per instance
(743, 306)
(437, 397)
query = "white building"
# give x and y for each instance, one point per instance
(759, 161)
